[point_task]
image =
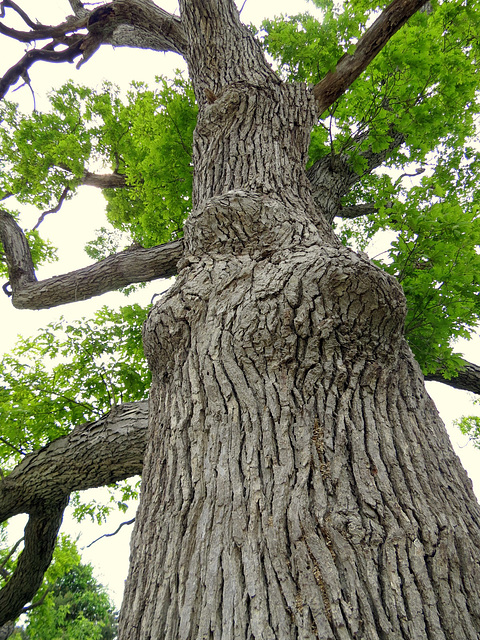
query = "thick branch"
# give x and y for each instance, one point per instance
(17, 252)
(128, 267)
(40, 539)
(332, 176)
(142, 24)
(467, 379)
(357, 211)
(104, 180)
(133, 23)
(349, 67)
(47, 54)
(92, 455)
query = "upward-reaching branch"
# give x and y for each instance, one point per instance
(350, 66)
(92, 455)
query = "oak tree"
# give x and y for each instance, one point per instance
(297, 481)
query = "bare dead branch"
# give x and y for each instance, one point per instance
(43, 32)
(134, 23)
(350, 66)
(19, 10)
(47, 54)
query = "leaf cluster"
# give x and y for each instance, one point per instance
(154, 152)
(424, 87)
(145, 136)
(68, 374)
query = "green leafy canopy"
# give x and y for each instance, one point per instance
(68, 374)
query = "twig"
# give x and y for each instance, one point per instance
(27, 82)
(108, 535)
(38, 603)
(9, 555)
(54, 210)
(21, 13)
(9, 444)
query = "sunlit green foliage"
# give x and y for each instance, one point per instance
(154, 152)
(423, 85)
(470, 426)
(145, 136)
(67, 374)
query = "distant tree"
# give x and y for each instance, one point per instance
(72, 605)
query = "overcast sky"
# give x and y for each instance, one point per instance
(74, 225)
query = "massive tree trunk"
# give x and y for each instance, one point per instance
(298, 481)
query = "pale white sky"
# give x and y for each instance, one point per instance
(74, 225)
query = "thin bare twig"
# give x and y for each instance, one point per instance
(34, 605)
(9, 444)
(11, 5)
(108, 535)
(9, 555)
(54, 210)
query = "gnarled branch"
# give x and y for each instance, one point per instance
(40, 539)
(133, 23)
(92, 455)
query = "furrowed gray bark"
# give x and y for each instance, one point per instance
(303, 478)
(119, 270)
(298, 481)
(77, 461)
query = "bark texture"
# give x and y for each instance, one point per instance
(130, 266)
(304, 481)
(298, 482)
(77, 461)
